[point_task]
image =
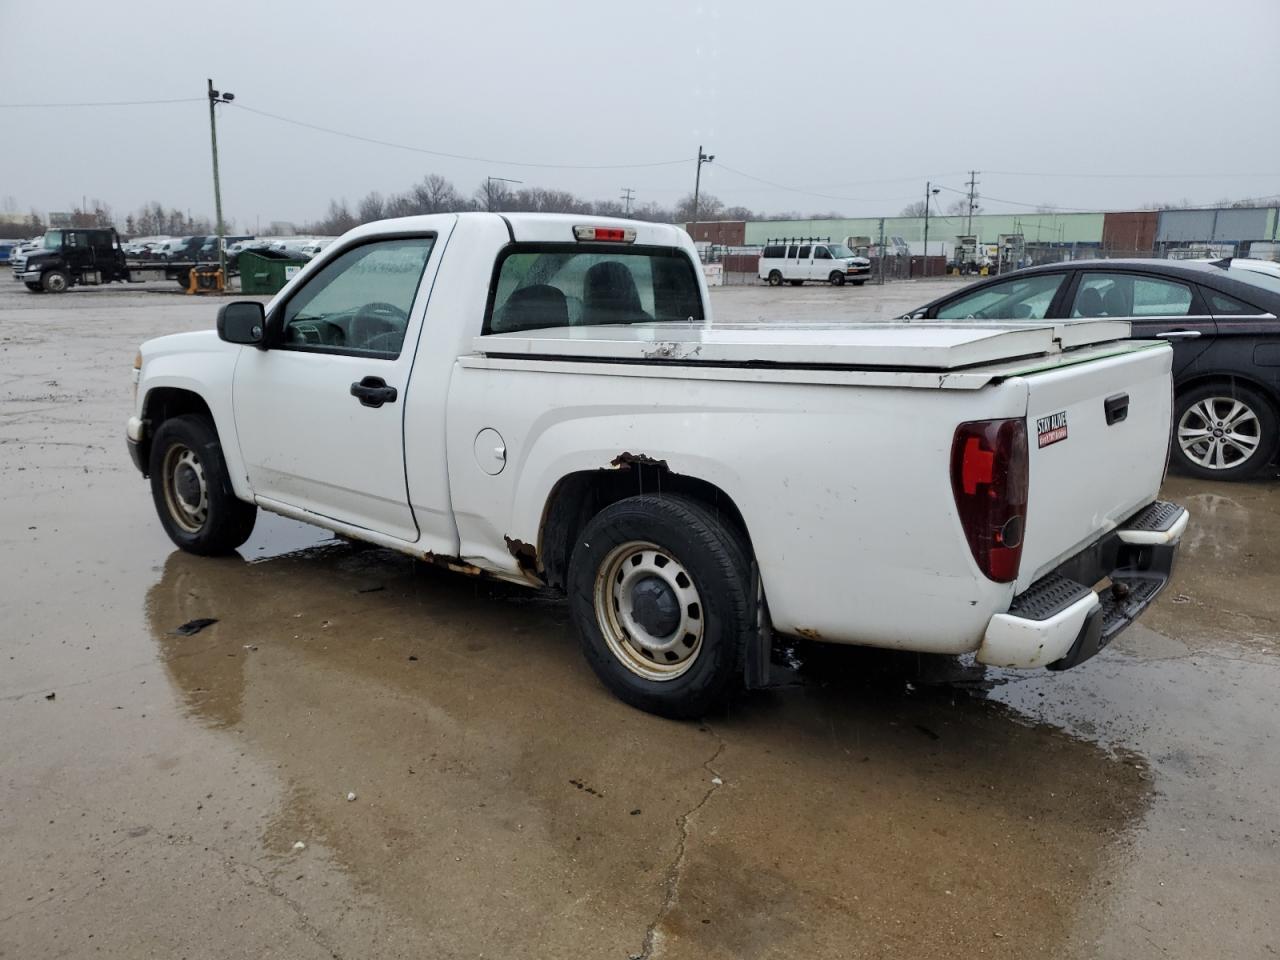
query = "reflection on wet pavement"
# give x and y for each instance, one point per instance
(495, 778)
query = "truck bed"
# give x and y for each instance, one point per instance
(896, 345)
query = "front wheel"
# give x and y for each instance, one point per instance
(660, 591)
(836, 278)
(1224, 431)
(775, 278)
(55, 281)
(192, 490)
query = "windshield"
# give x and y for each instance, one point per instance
(558, 285)
(1255, 279)
(53, 240)
(840, 251)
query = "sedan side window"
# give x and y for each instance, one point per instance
(359, 303)
(1022, 298)
(1126, 295)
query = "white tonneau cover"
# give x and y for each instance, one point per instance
(899, 344)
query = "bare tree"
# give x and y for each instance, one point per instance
(372, 207)
(709, 208)
(915, 209)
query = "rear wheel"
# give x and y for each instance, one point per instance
(660, 591)
(836, 278)
(775, 278)
(192, 490)
(1224, 431)
(55, 281)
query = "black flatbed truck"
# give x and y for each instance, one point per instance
(92, 256)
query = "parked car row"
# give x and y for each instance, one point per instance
(1220, 316)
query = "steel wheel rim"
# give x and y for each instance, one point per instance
(1218, 433)
(186, 492)
(57, 283)
(658, 658)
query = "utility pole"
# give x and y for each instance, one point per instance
(929, 191)
(627, 196)
(882, 251)
(697, 184)
(973, 200)
(488, 189)
(216, 98)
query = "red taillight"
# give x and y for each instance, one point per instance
(989, 480)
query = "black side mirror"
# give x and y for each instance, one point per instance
(242, 321)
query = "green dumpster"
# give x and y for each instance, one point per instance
(259, 274)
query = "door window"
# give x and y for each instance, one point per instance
(1022, 298)
(359, 303)
(804, 253)
(791, 252)
(1220, 305)
(1128, 295)
(822, 253)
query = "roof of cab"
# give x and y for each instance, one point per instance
(536, 227)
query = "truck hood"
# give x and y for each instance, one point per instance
(900, 345)
(197, 341)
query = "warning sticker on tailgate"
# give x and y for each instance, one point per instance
(1052, 428)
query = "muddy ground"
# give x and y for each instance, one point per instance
(186, 796)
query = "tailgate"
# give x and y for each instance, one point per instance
(1087, 474)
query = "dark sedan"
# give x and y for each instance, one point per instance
(1222, 322)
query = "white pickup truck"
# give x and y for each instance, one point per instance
(545, 399)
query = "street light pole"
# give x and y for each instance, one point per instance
(697, 185)
(929, 191)
(216, 98)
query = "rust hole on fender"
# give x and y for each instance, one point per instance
(625, 460)
(526, 555)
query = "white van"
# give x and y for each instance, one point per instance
(797, 261)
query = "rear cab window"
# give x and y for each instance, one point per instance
(537, 286)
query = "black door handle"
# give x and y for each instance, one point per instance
(1116, 408)
(373, 392)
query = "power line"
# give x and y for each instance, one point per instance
(1127, 176)
(104, 103)
(811, 193)
(460, 156)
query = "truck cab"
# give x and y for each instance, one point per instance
(73, 256)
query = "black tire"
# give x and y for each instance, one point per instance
(33, 286)
(775, 279)
(184, 279)
(716, 561)
(55, 281)
(224, 522)
(1202, 425)
(836, 279)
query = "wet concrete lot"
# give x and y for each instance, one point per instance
(153, 786)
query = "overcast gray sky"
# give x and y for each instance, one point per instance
(858, 102)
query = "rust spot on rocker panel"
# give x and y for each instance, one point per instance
(808, 633)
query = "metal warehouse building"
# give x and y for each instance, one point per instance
(1229, 230)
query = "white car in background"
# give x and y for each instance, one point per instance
(311, 249)
(1268, 267)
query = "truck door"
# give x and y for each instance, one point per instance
(320, 414)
